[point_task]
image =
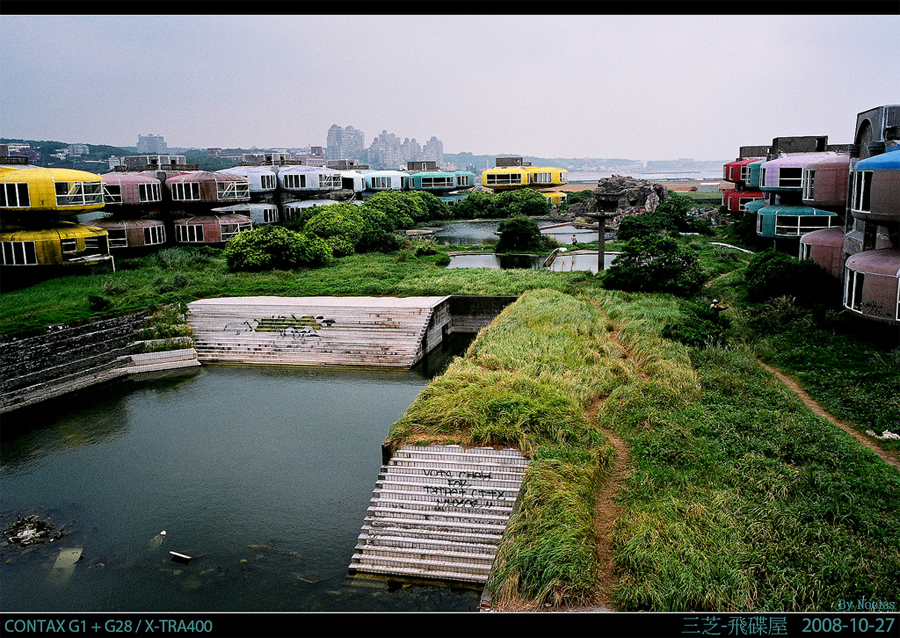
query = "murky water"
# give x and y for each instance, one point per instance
(262, 474)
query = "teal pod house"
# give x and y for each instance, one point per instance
(441, 182)
(781, 221)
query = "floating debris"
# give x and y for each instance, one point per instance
(157, 540)
(31, 530)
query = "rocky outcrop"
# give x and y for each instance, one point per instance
(623, 194)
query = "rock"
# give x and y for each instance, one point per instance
(622, 194)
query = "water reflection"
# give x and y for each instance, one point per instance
(263, 474)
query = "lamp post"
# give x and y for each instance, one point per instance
(601, 218)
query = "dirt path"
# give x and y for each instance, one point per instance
(820, 411)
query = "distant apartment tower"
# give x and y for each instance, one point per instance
(344, 143)
(434, 151)
(152, 145)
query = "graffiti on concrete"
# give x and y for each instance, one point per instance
(296, 328)
(459, 492)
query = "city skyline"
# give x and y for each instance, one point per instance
(642, 87)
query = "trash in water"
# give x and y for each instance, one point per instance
(178, 557)
(157, 540)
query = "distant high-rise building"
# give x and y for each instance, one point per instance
(434, 150)
(385, 152)
(344, 143)
(152, 145)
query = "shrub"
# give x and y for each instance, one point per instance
(477, 205)
(523, 201)
(773, 274)
(403, 210)
(520, 233)
(671, 216)
(275, 247)
(340, 225)
(655, 263)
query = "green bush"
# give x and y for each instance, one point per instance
(477, 205)
(340, 225)
(671, 216)
(275, 247)
(520, 233)
(655, 263)
(522, 201)
(772, 274)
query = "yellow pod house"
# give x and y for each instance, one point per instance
(28, 192)
(503, 178)
(60, 244)
(555, 197)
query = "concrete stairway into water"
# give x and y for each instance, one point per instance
(437, 513)
(365, 331)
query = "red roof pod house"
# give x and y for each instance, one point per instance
(872, 284)
(126, 191)
(736, 201)
(826, 248)
(199, 187)
(210, 229)
(133, 234)
(824, 182)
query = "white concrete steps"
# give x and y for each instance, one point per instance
(438, 513)
(368, 331)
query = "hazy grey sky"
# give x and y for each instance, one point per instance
(640, 87)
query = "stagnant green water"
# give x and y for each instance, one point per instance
(263, 473)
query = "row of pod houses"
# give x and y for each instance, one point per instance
(511, 173)
(159, 201)
(838, 206)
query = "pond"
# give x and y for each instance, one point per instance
(564, 261)
(262, 473)
(485, 232)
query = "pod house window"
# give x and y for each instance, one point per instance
(112, 194)
(69, 245)
(18, 253)
(853, 289)
(94, 243)
(504, 179)
(270, 215)
(230, 230)
(862, 191)
(14, 195)
(267, 181)
(809, 178)
(149, 192)
(232, 190)
(543, 178)
(381, 182)
(462, 180)
(155, 235)
(186, 191)
(292, 180)
(332, 182)
(745, 173)
(438, 182)
(79, 193)
(189, 233)
(117, 238)
(790, 177)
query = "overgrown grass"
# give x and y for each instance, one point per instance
(525, 382)
(743, 500)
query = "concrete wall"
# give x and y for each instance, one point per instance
(471, 313)
(38, 367)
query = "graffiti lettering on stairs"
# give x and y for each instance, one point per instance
(297, 328)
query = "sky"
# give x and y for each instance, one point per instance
(614, 86)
